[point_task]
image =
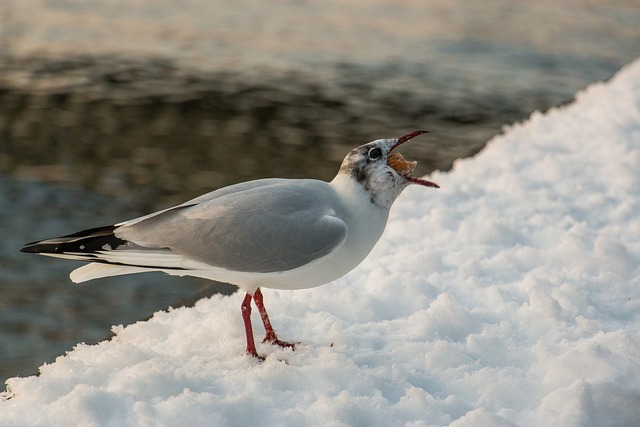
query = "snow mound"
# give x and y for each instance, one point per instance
(511, 296)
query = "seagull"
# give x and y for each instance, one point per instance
(272, 233)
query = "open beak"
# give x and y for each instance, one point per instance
(404, 167)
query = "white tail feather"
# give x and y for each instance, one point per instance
(96, 270)
(144, 257)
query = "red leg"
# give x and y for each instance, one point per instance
(271, 334)
(246, 316)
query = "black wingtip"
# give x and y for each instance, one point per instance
(40, 247)
(37, 248)
(86, 241)
(29, 248)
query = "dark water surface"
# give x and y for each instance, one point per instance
(109, 110)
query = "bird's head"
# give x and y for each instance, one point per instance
(382, 173)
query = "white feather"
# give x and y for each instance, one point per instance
(96, 270)
(149, 257)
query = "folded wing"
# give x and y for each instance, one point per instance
(273, 227)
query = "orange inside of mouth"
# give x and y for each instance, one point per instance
(402, 166)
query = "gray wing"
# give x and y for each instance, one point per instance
(278, 226)
(235, 188)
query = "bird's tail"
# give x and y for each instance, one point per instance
(86, 245)
(108, 254)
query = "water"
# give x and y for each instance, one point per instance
(109, 110)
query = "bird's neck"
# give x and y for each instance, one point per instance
(354, 193)
(366, 220)
(380, 193)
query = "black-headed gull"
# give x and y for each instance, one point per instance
(273, 233)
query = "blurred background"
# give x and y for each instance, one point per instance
(110, 109)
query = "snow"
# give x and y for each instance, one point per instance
(511, 296)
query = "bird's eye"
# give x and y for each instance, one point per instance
(375, 153)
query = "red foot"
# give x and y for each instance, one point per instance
(280, 343)
(255, 354)
(271, 336)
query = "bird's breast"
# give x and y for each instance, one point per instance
(364, 230)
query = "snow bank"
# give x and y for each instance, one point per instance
(509, 297)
